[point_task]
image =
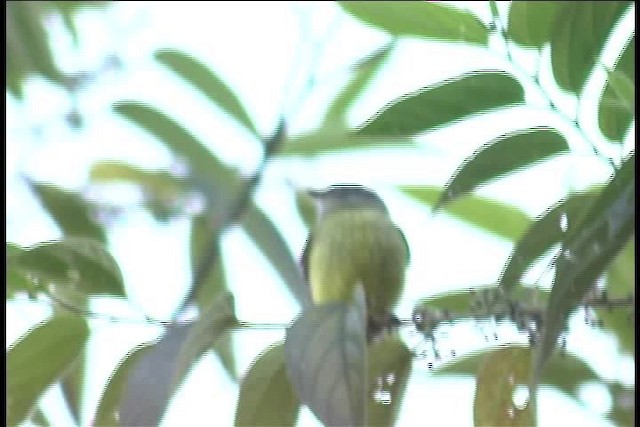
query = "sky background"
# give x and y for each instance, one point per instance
(266, 53)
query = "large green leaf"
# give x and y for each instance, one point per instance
(205, 80)
(161, 184)
(586, 252)
(267, 237)
(613, 118)
(500, 374)
(326, 355)
(497, 218)
(17, 279)
(545, 232)
(453, 100)
(420, 18)
(328, 141)
(69, 211)
(506, 154)
(216, 180)
(581, 30)
(531, 22)
(266, 396)
(38, 359)
(389, 368)
(155, 376)
(363, 73)
(111, 395)
(80, 263)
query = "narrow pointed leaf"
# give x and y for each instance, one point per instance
(266, 396)
(389, 368)
(613, 118)
(325, 351)
(500, 373)
(452, 100)
(531, 22)
(155, 376)
(70, 212)
(421, 19)
(543, 234)
(586, 252)
(363, 73)
(162, 184)
(327, 142)
(497, 218)
(580, 31)
(106, 413)
(506, 154)
(624, 90)
(78, 262)
(205, 80)
(268, 238)
(40, 358)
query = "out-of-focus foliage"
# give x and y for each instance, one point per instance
(325, 362)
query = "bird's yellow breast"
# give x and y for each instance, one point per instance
(357, 246)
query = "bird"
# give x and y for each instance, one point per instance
(352, 241)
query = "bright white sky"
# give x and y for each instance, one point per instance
(252, 46)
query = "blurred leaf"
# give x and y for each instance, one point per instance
(78, 262)
(531, 22)
(162, 184)
(17, 280)
(494, 9)
(214, 179)
(506, 154)
(497, 218)
(70, 212)
(586, 252)
(325, 350)
(543, 234)
(613, 118)
(155, 376)
(107, 409)
(207, 82)
(38, 359)
(38, 418)
(326, 141)
(621, 282)
(364, 72)
(452, 100)
(420, 18)
(580, 32)
(623, 399)
(389, 366)
(501, 372)
(305, 206)
(28, 49)
(68, 9)
(266, 396)
(268, 238)
(624, 89)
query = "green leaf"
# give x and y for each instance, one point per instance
(389, 368)
(623, 399)
(17, 278)
(325, 350)
(327, 141)
(500, 374)
(624, 89)
(161, 184)
(452, 100)
(110, 398)
(268, 238)
(155, 376)
(420, 18)
(362, 76)
(207, 82)
(545, 232)
(38, 359)
(80, 263)
(531, 22)
(497, 218)
(216, 180)
(506, 154)
(580, 32)
(586, 252)
(266, 396)
(613, 118)
(69, 211)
